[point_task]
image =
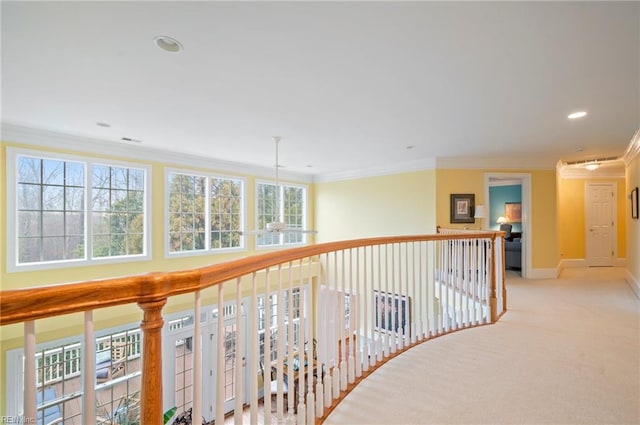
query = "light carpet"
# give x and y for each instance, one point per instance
(566, 352)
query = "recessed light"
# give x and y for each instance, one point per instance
(409, 147)
(578, 114)
(129, 139)
(168, 44)
(103, 124)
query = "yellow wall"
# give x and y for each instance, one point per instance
(399, 204)
(543, 207)
(457, 181)
(571, 217)
(633, 225)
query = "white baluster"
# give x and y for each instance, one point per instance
(220, 396)
(89, 372)
(29, 401)
(240, 357)
(197, 361)
(266, 363)
(253, 350)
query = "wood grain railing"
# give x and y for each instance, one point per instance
(449, 282)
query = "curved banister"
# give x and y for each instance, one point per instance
(20, 305)
(464, 272)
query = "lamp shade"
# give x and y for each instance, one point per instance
(501, 220)
(480, 212)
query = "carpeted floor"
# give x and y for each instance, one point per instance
(566, 352)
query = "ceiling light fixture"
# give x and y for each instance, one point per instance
(168, 44)
(591, 166)
(578, 114)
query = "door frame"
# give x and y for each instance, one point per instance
(524, 179)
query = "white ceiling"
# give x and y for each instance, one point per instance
(348, 85)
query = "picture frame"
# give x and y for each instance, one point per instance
(634, 203)
(391, 310)
(462, 208)
(513, 212)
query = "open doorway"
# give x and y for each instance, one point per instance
(508, 199)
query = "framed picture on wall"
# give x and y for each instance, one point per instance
(462, 206)
(513, 212)
(634, 203)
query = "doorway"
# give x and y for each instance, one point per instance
(524, 180)
(600, 211)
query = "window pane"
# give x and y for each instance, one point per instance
(75, 247)
(29, 250)
(119, 178)
(74, 223)
(29, 170)
(52, 223)
(136, 180)
(29, 197)
(74, 199)
(52, 172)
(29, 223)
(53, 198)
(101, 177)
(53, 248)
(74, 174)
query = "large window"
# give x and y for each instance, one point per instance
(64, 210)
(204, 212)
(281, 203)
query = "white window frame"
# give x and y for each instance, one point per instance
(207, 250)
(305, 215)
(89, 162)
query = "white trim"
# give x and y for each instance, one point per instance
(397, 168)
(551, 273)
(478, 163)
(50, 139)
(633, 283)
(614, 170)
(633, 150)
(524, 179)
(12, 202)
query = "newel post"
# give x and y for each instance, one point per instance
(151, 409)
(493, 299)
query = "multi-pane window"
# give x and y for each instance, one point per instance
(70, 210)
(281, 203)
(117, 201)
(204, 212)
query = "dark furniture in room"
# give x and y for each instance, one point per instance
(512, 247)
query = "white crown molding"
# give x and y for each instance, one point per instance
(495, 163)
(633, 150)
(49, 139)
(609, 170)
(397, 168)
(600, 173)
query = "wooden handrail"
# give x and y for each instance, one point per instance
(20, 305)
(151, 292)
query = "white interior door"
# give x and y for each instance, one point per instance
(600, 211)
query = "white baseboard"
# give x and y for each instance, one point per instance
(633, 283)
(573, 263)
(543, 274)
